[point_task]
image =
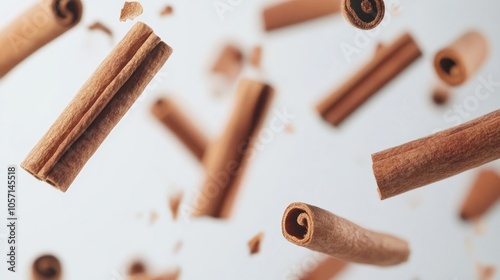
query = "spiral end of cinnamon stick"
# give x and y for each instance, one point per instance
(297, 223)
(68, 11)
(364, 14)
(449, 67)
(47, 267)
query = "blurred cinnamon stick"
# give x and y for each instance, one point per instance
(225, 159)
(483, 194)
(437, 157)
(97, 108)
(171, 116)
(456, 63)
(46, 267)
(36, 27)
(290, 12)
(388, 62)
(319, 230)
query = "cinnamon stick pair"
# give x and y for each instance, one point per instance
(437, 157)
(226, 157)
(36, 27)
(46, 267)
(97, 108)
(290, 12)
(319, 230)
(172, 116)
(483, 194)
(389, 61)
(456, 63)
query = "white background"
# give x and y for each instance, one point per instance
(102, 222)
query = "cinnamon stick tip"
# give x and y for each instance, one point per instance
(297, 220)
(363, 14)
(449, 67)
(73, 8)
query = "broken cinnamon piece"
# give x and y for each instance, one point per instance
(387, 63)
(153, 216)
(485, 272)
(441, 94)
(483, 194)
(46, 267)
(130, 11)
(229, 63)
(168, 10)
(290, 12)
(327, 269)
(456, 63)
(101, 27)
(176, 120)
(137, 267)
(174, 203)
(319, 230)
(254, 243)
(256, 57)
(364, 14)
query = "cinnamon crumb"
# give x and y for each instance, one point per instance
(101, 27)
(254, 243)
(153, 217)
(174, 203)
(256, 57)
(177, 247)
(131, 10)
(289, 128)
(168, 10)
(485, 272)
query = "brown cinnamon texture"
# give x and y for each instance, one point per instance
(456, 63)
(172, 116)
(36, 27)
(364, 14)
(290, 12)
(46, 267)
(226, 158)
(437, 157)
(483, 194)
(319, 230)
(229, 62)
(97, 108)
(388, 62)
(327, 269)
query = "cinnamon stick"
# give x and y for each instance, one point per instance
(97, 108)
(172, 117)
(36, 27)
(437, 157)
(364, 14)
(226, 158)
(290, 12)
(46, 267)
(319, 230)
(456, 63)
(388, 62)
(484, 193)
(327, 269)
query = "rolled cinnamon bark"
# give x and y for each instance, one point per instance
(97, 108)
(364, 14)
(290, 12)
(225, 159)
(484, 193)
(46, 267)
(456, 63)
(319, 230)
(437, 157)
(388, 62)
(35, 28)
(170, 115)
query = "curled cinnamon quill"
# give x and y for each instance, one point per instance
(46, 267)
(457, 62)
(36, 27)
(364, 14)
(95, 110)
(319, 230)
